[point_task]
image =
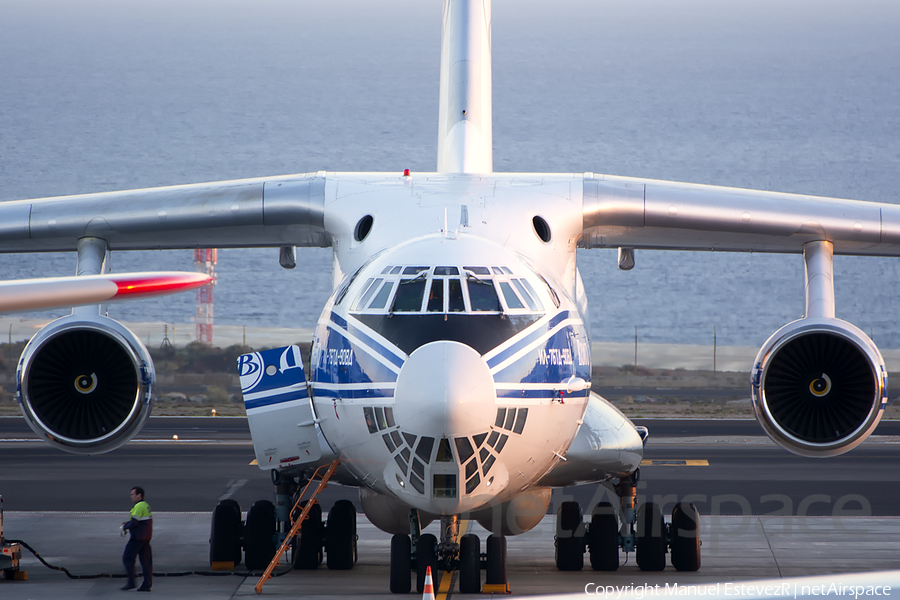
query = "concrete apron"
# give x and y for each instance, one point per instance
(734, 549)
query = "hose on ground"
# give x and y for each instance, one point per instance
(155, 574)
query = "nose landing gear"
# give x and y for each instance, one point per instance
(452, 552)
(640, 529)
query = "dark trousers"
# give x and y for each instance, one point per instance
(138, 549)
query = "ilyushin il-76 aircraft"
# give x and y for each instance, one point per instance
(450, 370)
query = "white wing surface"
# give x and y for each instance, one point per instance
(274, 211)
(644, 213)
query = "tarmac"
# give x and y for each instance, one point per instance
(734, 549)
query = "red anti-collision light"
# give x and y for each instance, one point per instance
(406, 172)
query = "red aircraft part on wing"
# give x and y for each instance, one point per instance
(55, 292)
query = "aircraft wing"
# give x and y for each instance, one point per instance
(625, 212)
(57, 292)
(273, 211)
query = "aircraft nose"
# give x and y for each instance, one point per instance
(445, 388)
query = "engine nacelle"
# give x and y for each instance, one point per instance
(819, 387)
(85, 385)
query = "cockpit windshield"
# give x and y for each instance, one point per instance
(447, 289)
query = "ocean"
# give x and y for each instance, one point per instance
(798, 96)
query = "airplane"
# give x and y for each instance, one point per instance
(450, 369)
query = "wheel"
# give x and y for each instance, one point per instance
(307, 545)
(603, 538)
(225, 533)
(426, 556)
(496, 560)
(469, 564)
(569, 537)
(259, 535)
(340, 536)
(401, 556)
(651, 538)
(685, 550)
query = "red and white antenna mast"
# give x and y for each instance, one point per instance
(205, 260)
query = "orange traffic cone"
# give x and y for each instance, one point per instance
(428, 590)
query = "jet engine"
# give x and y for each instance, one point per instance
(85, 384)
(819, 387)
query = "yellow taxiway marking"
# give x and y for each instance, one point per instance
(253, 463)
(674, 462)
(447, 578)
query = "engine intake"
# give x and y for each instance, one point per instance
(85, 385)
(819, 387)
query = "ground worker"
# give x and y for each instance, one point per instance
(141, 528)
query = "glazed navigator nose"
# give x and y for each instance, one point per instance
(445, 388)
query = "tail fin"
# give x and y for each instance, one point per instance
(465, 119)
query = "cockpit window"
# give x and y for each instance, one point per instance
(383, 294)
(483, 296)
(409, 295)
(524, 294)
(367, 291)
(537, 300)
(436, 296)
(447, 289)
(455, 301)
(512, 300)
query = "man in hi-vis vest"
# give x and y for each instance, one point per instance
(141, 528)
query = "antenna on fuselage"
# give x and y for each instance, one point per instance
(465, 118)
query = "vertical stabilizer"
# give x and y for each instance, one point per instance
(465, 139)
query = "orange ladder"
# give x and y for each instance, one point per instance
(295, 529)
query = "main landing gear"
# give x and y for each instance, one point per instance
(332, 541)
(643, 530)
(452, 552)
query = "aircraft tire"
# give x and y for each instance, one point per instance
(603, 538)
(685, 550)
(496, 560)
(569, 537)
(469, 564)
(340, 536)
(259, 535)
(426, 556)
(401, 557)
(308, 544)
(225, 533)
(651, 540)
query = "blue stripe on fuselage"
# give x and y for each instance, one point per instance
(277, 399)
(382, 351)
(373, 392)
(527, 340)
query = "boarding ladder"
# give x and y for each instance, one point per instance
(295, 528)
